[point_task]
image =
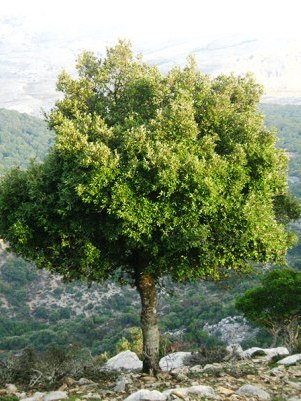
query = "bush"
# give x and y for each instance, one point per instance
(9, 398)
(207, 355)
(47, 370)
(276, 305)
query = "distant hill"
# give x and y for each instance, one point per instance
(32, 64)
(287, 120)
(22, 137)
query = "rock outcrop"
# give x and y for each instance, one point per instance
(270, 353)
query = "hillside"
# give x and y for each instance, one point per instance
(22, 138)
(39, 310)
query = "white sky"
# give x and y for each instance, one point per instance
(160, 19)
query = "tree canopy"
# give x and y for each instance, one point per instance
(150, 175)
(276, 304)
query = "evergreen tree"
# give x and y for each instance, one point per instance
(150, 175)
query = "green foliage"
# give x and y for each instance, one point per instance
(207, 355)
(177, 172)
(9, 398)
(22, 138)
(133, 341)
(17, 272)
(276, 304)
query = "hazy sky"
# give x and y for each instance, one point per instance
(160, 19)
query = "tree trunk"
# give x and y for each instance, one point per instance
(148, 294)
(292, 335)
(275, 332)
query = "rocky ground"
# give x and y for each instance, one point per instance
(251, 379)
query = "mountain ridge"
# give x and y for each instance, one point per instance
(34, 58)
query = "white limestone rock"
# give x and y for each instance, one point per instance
(121, 384)
(231, 329)
(11, 388)
(268, 352)
(126, 360)
(204, 391)
(173, 361)
(290, 360)
(234, 351)
(83, 381)
(55, 396)
(249, 390)
(147, 395)
(37, 396)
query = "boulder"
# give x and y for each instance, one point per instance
(174, 360)
(204, 391)
(290, 360)
(249, 390)
(268, 352)
(126, 360)
(147, 395)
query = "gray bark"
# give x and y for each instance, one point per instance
(151, 337)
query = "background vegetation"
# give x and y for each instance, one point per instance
(22, 138)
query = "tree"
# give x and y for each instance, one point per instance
(150, 175)
(276, 304)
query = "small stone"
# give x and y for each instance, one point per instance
(234, 351)
(196, 369)
(35, 397)
(83, 381)
(146, 395)
(204, 391)
(253, 391)
(278, 371)
(92, 395)
(295, 385)
(121, 384)
(178, 394)
(148, 379)
(11, 388)
(69, 381)
(225, 391)
(55, 395)
(163, 376)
